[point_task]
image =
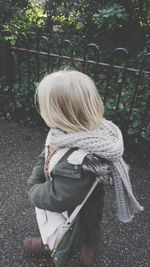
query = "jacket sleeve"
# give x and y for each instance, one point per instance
(68, 187)
(61, 194)
(37, 176)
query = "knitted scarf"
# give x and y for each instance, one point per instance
(106, 142)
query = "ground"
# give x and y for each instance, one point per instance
(125, 245)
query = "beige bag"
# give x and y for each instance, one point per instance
(54, 225)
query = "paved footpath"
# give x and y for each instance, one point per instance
(125, 245)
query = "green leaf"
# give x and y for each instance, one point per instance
(79, 26)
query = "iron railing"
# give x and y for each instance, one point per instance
(124, 89)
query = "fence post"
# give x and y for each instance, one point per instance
(8, 75)
(9, 65)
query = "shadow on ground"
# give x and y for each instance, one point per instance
(125, 245)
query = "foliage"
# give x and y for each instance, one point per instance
(110, 17)
(9, 9)
(26, 21)
(85, 19)
(109, 24)
(116, 23)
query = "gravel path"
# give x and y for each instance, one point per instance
(125, 245)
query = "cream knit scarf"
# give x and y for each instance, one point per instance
(107, 142)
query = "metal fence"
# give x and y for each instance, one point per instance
(124, 89)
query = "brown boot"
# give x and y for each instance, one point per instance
(34, 245)
(88, 254)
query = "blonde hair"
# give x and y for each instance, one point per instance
(69, 100)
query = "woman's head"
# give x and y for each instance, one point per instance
(69, 100)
